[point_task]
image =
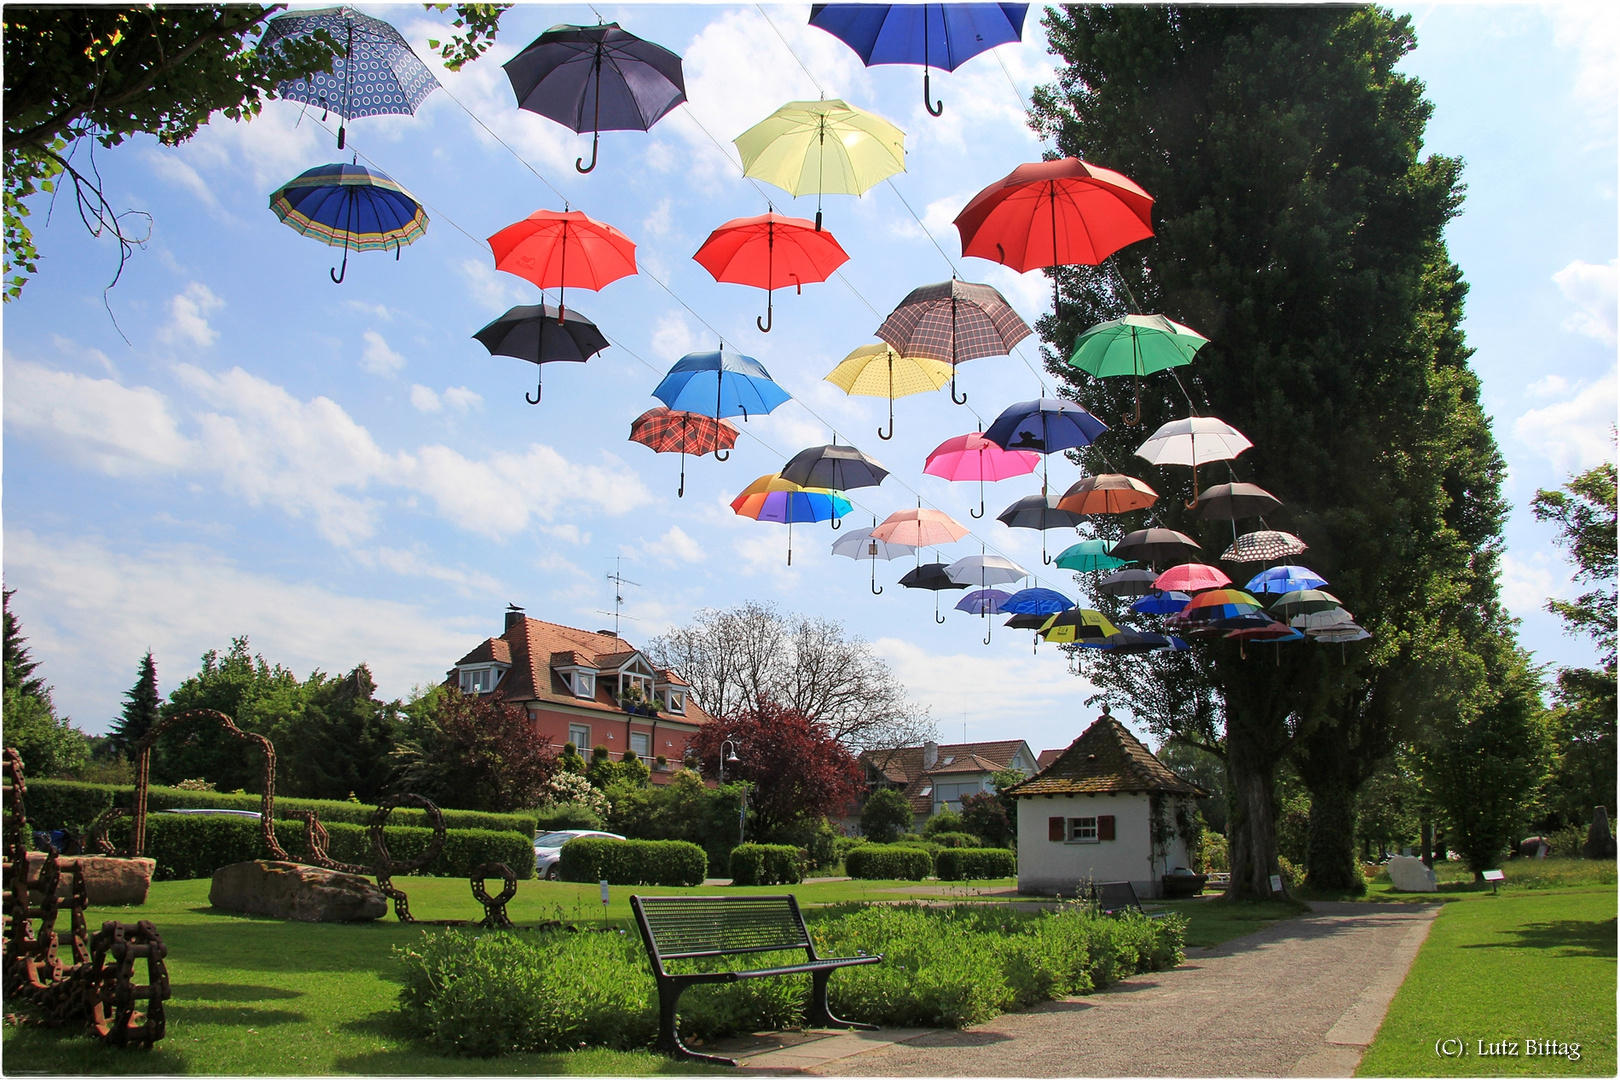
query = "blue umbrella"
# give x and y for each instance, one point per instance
(351, 207)
(933, 35)
(983, 601)
(1036, 601)
(1284, 579)
(720, 384)
(1045, 426)
(1162, 603)
(374, 73)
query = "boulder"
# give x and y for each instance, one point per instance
(1408, 874)
(288, 890)
(109, 881)
(1599, 840)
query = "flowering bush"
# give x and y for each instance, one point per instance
(568, 787)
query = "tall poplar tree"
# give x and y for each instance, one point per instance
(1299, 229)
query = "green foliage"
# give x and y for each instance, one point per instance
(1293, 826)
(975, 864)
(766, 864)
(817, 839)
(885, 816)
(946, 820)
(472, 753)
(632, 862)
(884, 862)
(143, 708)
(49, 745)
(1586, 520)
(571, 815)
(683, 809)
(478, 25)
(245, 687)
(845, 844)
(1387, 809)
(956, 840)
(1215, 858)
(1199, 766)
(985, 816)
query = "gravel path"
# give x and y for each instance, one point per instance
(1303, 997)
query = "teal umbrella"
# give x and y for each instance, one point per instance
(1135, 345)
(1089, 555)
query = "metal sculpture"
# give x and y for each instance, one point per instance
(495, 917)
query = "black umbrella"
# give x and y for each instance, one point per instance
(534, 332)
(837, 467)
(1026, 622)
(1129, 641)
(596, 79)
(1039, 512)
(1128, 583)
(932, 576)
(1164, 546)
(1232, 501)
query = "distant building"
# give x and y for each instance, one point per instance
(934, 777)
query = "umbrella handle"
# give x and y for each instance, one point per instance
(937, 107)
(579, 162)
(890, 435)
(596, 120)
(338, 275)
(877, 590)
(680, 492)
(939, 618)
(539, 387)
(770, 318)
(980, 514)
(837, 523)
(722, 455)
(987, 634)
(958, 400)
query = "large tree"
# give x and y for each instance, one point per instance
(339, 744)
(143, 708)
(256, 694)
(468, 752)
(49, 745)
(1297, 227)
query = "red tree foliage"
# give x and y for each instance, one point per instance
(796, 770)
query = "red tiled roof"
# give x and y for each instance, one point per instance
(489, 650)
(667, 676)
(1105, 758)
(965, 764)
(572, 658)
(1047, 757)
(903, 766)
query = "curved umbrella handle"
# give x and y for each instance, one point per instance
(939, 618)
(722, 455)
(877, 590)
(958, 400)
(539, 388)
(769, 319)
(934, 108)
(987, 631)
(980, 514)
(579, 162)
(339, 275)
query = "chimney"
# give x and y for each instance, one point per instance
(514, 617)
(930, 754)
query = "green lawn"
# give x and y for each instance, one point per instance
(1532, 963)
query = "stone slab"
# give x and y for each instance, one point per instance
(109, 882)
(288, 890)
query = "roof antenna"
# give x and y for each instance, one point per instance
(619, 582)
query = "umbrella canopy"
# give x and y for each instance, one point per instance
(1303, 602)
(931, 576)
(1036, 601)
(861, 544)
(826, 147)
(1135, 345)
(1232, 501)
(1031, 621)
(919, 528)
(1128, 583)
(1191, 578)
(1272, 631)
(1162, 603)
(1045, 426)
(1088, 555)
(1263, 546)
(375, 73)
(1335, 618)
(1341, 633)
(841, 467)
(596, 78)
(1038, 512)
(771, 498)
(954, 321)
(879, 371)
(974, 457)
(983, 601)
(1220, 604)
(1076, 624)
(555, 250)
(1157, 546)
(720, 384)
(1107, 493)
(1130, 641)
(770, 251)
(351, 207)
(674, 431)
(1285, 579)
(543, 334)
(1193, 441)
(985, 570)
(933, 35)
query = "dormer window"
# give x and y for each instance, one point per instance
(585, 684)
(677, 700)
(480, 680)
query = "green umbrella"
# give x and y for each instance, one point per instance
(1135, 345)
(1089, 555)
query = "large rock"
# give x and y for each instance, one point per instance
(1408, 874)
(288, 890)
(110, 882)
(1599, 840)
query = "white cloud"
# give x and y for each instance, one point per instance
(1548, 386)
(188, 316)
(1573, 433)
(1527, 583)
(174, 172)
(462, 399)
(1592, 31)
(672, 336)
(675, 547)
(490, 288)
(273, 147)
(378, 358)
(658, 221)
(1594, 289)
(423, 399)
(414, 564)
(94, 423)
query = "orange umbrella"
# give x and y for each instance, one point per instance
(919, 528)
(1110, 493)
(558, 250)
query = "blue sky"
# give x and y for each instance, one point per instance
(344, 475)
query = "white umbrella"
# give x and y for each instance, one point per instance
(1318, 622)
(985, 570)
(1341, 633)
(1193, 441)
(861, 544)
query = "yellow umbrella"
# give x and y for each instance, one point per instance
(827, 147)
(1077, 623)
(879, 371)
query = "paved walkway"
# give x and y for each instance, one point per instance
(1303, 997)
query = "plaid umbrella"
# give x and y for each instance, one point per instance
(1263, 546)
(675, 431)
(954, 321)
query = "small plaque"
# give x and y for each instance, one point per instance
(1492, 875)
(1276, 883)
(604, 893)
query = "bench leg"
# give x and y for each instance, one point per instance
(819, 1014)
(669, 1038)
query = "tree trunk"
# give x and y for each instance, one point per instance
(1252, 826)
(1428, 842)
(1331, 855)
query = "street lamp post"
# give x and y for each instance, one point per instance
(728, 756)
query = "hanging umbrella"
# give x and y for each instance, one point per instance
(1263, 547)
(1129, 641)
(1036, 601)
(1031, 621)
(1088, 556)
(771, 498)
(674, 431)
(1135, 345)
(861, 544)
(954, 321)
(720, 384)
(1273, 631)
(826, 147)
(537, 249)
(983, 602)
(1194, 441)
(1191, 578)
(1063, 212)
(1077, 624)
(1341, 633)
(879, 371)
(1335, 618)
(772, 252)
(933, 35)
(931, 576)
(1164, 546)
(982, 570)
(596, 78)
(1232, 501)
(974, 457)
(1284, 579)
(1161, 603)
(1045, 426)
(351, 207)
(919, 528)
(1128, 583)
(1107, 493)
(1217, 605)
(542, 334)
(1304, 602)
(840, 467)
(1038, 512)
(374, 73)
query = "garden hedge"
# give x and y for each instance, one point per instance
(956, 840)
(766, 864)
(974, 864)
(886, 862)
(632, 862)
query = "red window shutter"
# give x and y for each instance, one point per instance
(1105, 827)
(1054, 829)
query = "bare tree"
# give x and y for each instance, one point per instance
(740, 655)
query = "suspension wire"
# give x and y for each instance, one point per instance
(790, 49)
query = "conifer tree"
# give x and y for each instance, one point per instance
(143, 708)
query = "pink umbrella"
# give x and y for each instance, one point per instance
(974, 457)
(1191, 578)
(919, 528)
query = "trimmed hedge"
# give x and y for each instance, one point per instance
(56, 804)
(974, 864)
(632, 862)
(888, 862)
(766, 864)
(956, 840)
(187, 846)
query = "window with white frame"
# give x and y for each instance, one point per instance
(641, 743)
(1082, 830)
(677, 700)
(479, 680)
(580, 736)
(585, 684)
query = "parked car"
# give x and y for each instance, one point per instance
(548, 849)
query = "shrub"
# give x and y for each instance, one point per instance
(817, 839)
(985, 816)
(1293, 877)
(974, 864)
(886, 815)
(843, 845)
(568, 815)
(886, 862)
(683, 809)
(766, 864)
(65, 804)
(632, 862)
(566, 786)
(946, 821)
(956, 840)
(1215, 854)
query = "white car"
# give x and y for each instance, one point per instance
(548, 849)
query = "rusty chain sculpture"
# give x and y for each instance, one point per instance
(495, 917)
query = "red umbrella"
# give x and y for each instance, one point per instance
(675, 431)
(558, 250)
(1191, 578)
(1055, 213)
(770, 251)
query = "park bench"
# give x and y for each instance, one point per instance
(699, 927)
(1117, 897)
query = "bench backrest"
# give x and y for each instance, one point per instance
(685, 927)
(1116, 896)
